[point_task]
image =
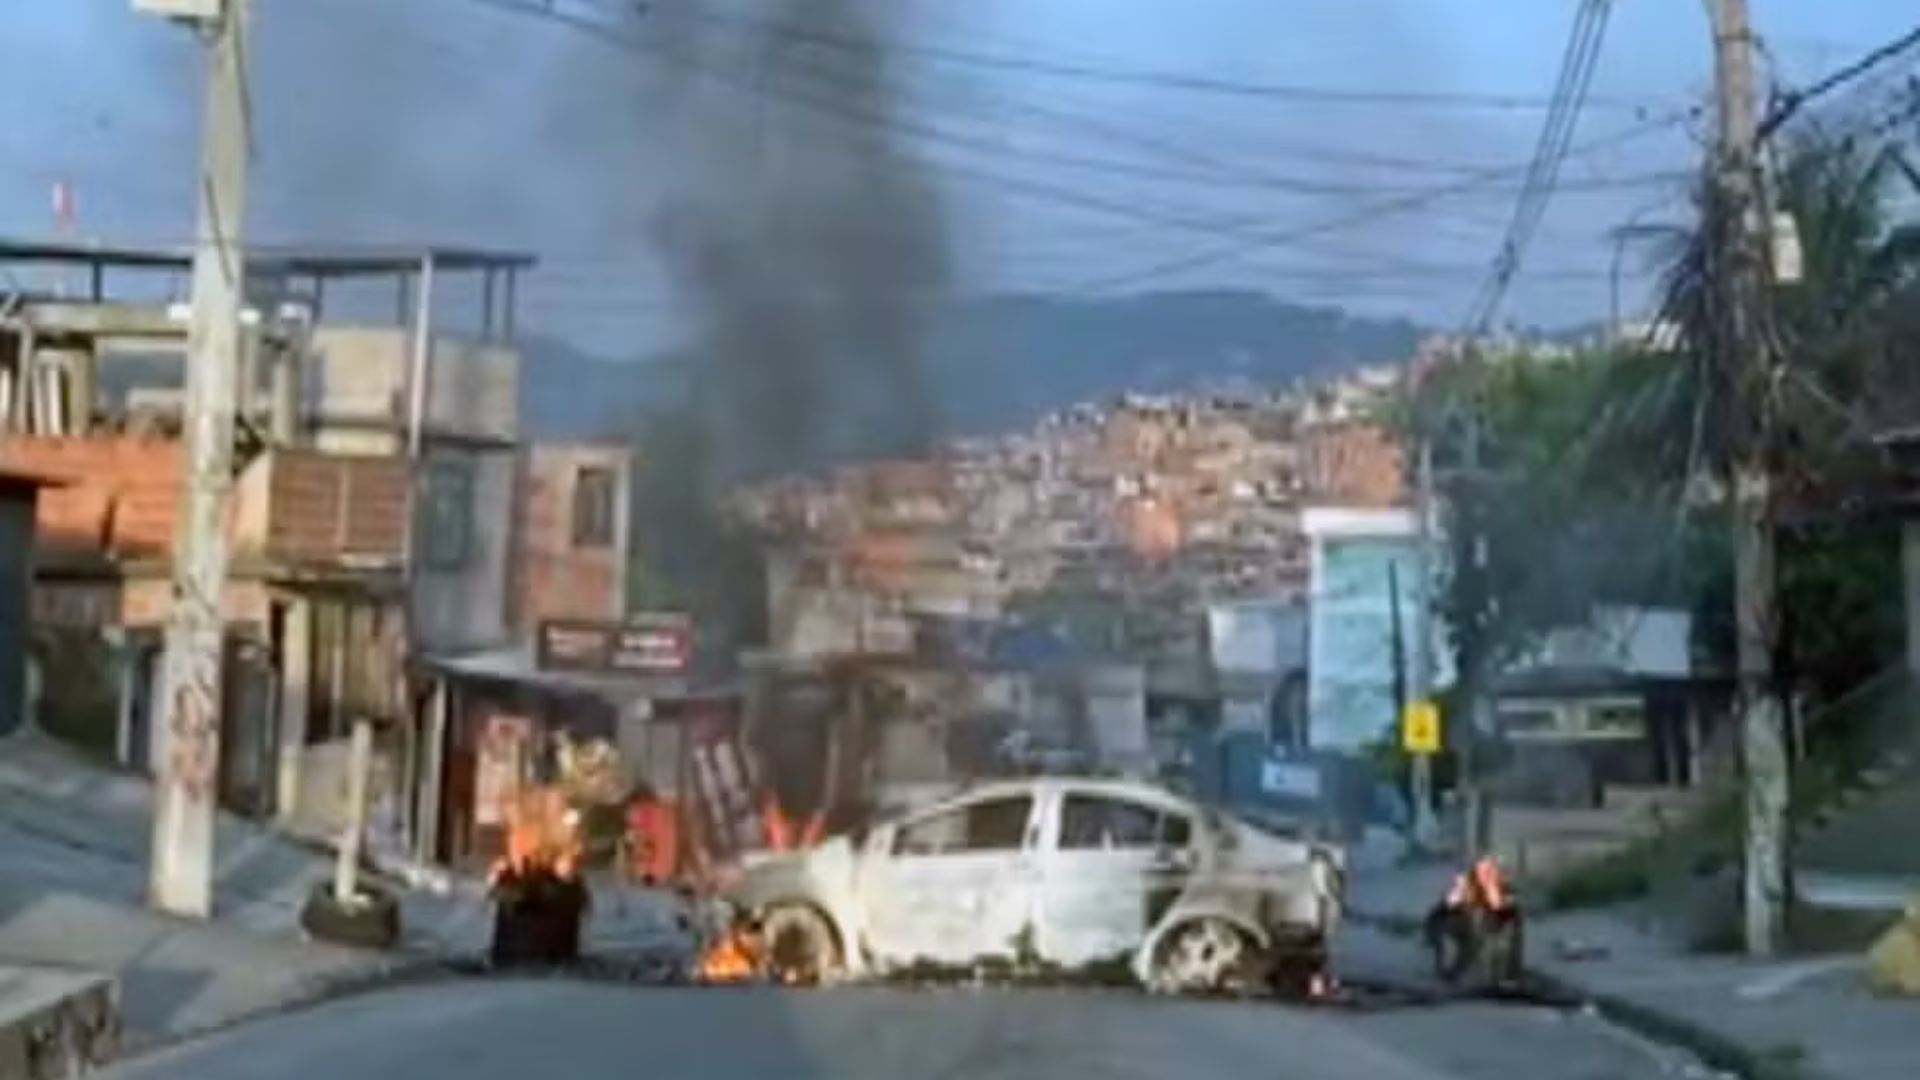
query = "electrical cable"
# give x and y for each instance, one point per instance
(1576, 76)
(1008, 63)
(1792, 102)
(1375, 211)
(1010, 184)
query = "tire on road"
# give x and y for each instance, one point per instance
(372, 922)
(801, 948)
(1297, 965)
(1206, 955)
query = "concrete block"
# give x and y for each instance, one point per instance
(55, 1022)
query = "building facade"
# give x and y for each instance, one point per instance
(570, 541)
(370, 520)
(1369, 624)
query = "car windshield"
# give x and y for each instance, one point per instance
(1394, 521)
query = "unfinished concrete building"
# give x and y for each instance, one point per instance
(372, 512)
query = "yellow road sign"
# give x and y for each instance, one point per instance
(1420, 728)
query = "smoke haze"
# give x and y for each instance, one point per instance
(810, 267)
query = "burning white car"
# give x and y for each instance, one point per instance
(1052, 874)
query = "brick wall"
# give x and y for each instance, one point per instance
(120, 494)
(553, 578)
(326, 506)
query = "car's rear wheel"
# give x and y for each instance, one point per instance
(1208, 955)
(801, 947)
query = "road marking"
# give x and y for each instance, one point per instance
(1787, 976)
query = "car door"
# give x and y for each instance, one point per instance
(954, 883)
(1111, 867)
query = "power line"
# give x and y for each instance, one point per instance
(1042, 67)
(1556, 135)
(1213, 172)
(935, 135)
(1024, 187)
(1792, 102)
(1360, 216)
(1245, 239)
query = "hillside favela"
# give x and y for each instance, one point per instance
(851, 539)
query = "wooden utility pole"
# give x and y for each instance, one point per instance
(1738, 284)
(188, 770)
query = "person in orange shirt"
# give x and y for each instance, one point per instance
(1478, 911)
(653, 838)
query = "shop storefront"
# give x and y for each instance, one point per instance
(606, 740)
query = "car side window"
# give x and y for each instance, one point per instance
(1176, 831)
(988, 825)
(1098, 823)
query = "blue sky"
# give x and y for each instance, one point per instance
(411, 121)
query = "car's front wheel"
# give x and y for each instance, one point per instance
(801, 948)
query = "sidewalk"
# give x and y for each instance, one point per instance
(1804, 1018)
(1810, 1017)
(174, 976)
(73, 875)
(73, 878)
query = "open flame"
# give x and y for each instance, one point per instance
(733, 957)
(1482, 886)
(784, 833)
(543, 833)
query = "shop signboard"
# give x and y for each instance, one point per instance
(659, 643)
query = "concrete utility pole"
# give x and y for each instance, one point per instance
(1473, 697)
(1738, 284)
(189, 767)
(1420, 684)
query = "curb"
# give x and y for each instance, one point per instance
(645, 967)
(1711, 1047)
(393, 974)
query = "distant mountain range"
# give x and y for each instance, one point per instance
(1000, 363)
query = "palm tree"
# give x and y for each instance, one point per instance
(1847, 343)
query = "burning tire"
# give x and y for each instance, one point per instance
(801, 948)
(1207, 955)
(370, 921)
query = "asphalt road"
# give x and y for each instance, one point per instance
(511, 1029)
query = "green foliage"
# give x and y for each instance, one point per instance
(1611, 879)
(1602, 472)
(1843, 612)
(1574, 500)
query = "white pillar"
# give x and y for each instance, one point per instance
(346, 867)
(296, 662)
